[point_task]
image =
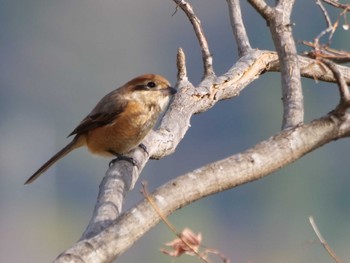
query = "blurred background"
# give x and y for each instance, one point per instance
(59, 58)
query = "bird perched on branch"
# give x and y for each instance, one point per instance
(119, 121)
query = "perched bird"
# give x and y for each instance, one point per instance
(120, 121)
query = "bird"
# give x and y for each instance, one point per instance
(120, 120)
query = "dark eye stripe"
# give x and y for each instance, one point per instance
(141, 87)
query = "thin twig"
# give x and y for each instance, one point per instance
(337, 4)
(325, 13)
(238, 27)
(344, 103)
(203, 43)
(324, 51)
(330, 27)
(323, 241)
(218, 253)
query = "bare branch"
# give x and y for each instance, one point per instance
(203, 43)
(264, 10)
(324, 51)
(255, 163)
(337, 4)
(278, 19)
(325, 13)
(344, 103)
(181, 65)
(121, 177)
(238, 27)
(323, 241)
(330, 27)
(119, 180)
(311, 68)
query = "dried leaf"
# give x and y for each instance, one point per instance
(180, 245)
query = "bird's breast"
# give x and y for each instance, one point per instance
(125, 132)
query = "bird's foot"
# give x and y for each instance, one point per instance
(122, 158)
(144, 148)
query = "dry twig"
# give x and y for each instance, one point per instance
(330, 27)
(335, 3)
(324, 51)
(203, 43)
(323, 241)
(344, 103)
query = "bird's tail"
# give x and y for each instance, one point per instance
(77, 142)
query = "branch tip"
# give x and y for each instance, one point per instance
(323, 241)
(181, 64)
(203, 43)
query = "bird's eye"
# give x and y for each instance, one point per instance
(151, 84)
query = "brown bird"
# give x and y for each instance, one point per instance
(120, 121)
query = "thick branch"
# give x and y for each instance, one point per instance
(255, 163)
(118, 181)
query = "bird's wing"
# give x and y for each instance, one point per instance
(105, 112)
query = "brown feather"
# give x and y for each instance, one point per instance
(104, 113)
(77, 142)
(120, 121)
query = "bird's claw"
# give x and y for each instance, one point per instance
(144, 148)
(123, 158)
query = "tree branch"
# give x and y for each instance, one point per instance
(238, 27)
(323, 241)
(118, 181)
(203, 43)
(278, 19)
(181, 65)
(121, 177)
(311, 68)
(344, 103)
(255, 163)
